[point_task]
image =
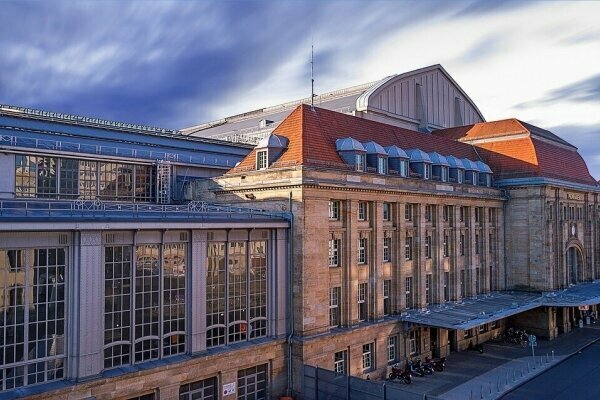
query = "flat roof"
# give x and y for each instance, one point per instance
(482, 309)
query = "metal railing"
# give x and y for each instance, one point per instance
(96, 209)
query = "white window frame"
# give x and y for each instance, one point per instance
(408, 212)
(408, 248)
(426, 171)
(387, 246)
(334, 304)
(446, 246)
(262, 163)
(445, 174)
(363, 211)
(334, 252)
(408, 283)
(460, 175)
(382, 165)
(387, 211)
(428, 246)
(428, 284)
(362, 250)
(392, 347)
(387, 289)
(367, 356)
(360, 161)
(334, 210)
(339, 362)
(362, 299)
(404, 168)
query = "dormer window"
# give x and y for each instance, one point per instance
(360, 162)
(427, 171)
(261, 159)
(444, 174)
(404, 168)
(382, 165)
(475, 178)
(460, 176)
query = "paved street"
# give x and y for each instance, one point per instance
(501, 367)
(575, 378)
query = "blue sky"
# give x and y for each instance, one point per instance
(176, 64)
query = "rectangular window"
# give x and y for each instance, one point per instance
(334, 252)
(392, 348)
(428, 283)
(261, 159)
(206, 389)
(152, 342)
(46, 177)
(477, 280)
(461, 244)
(492, 242)
(446, 246)
(408, 212)
(460, 175)
(145, 187)
(446, 213)
(360, 162)
(408, 291)
(362, 251)
(482, 328)
(462, 283)
(426, 171)
(427, 246)
(408, 248)
(468, 333)
(428, 213)
(413, 342)
(461, 215)
(491, 216)
(69, 177)
(25, 176)
(334, 210)
(334, 306)
(367, 356)
(252, 383)
(339, 362)
(88, 180)
(446, 286)
(241, 283)
(117, 305)
(32, 316)
(444, 174)
(387, 303)
(477, 212)
(403, 168)
(362, 301)
(387, 211)
(382, 165)
(493, 324)
(477, 243)
(387, 245)
(362, 211)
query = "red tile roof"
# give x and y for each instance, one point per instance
(312, 134)
(534, 152)
(515, 149)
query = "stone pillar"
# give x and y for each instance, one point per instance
(85, 347)
(197, 291)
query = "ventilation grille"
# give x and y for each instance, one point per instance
(63, 238)
(109, 238)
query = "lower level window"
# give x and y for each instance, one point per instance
(32, 316)
(413, 342)
(206, 389)
(367, 356)
(155, 277)
(252, 383)
(339, 362)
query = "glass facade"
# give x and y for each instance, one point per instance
(32, 316)
(67, 178)
(236, 292)
(153, 293)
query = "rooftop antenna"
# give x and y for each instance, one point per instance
(312, 78)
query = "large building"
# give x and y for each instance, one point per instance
(395, 222)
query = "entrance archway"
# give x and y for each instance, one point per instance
(574, 265)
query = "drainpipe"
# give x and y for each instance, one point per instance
(290, 299)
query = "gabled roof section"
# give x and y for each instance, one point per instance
(362, 103)
(313, 132)
(516, 149)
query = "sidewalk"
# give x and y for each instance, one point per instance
(515, 364)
